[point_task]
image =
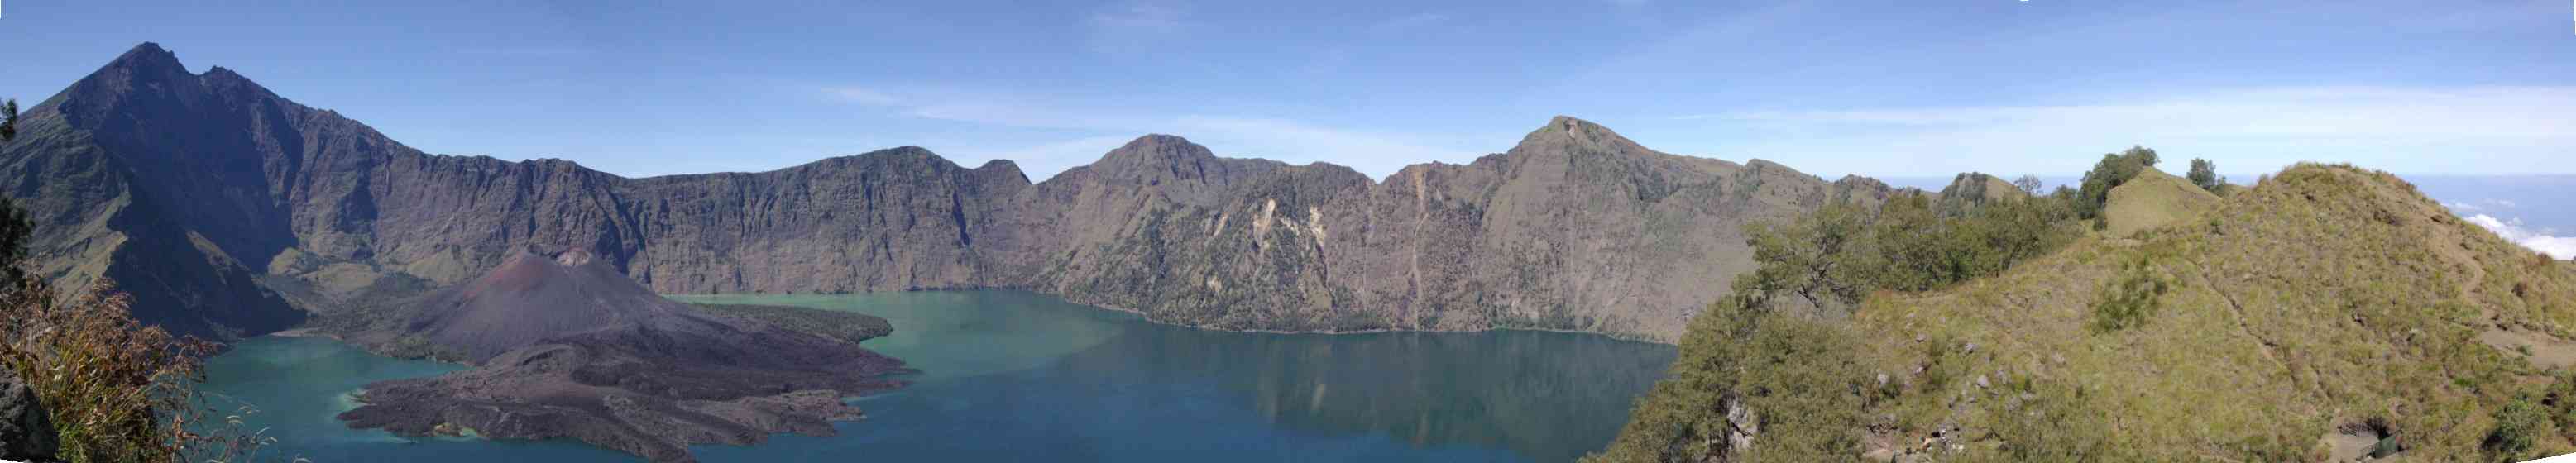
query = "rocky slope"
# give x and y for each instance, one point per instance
(225, 207)
(568, 347)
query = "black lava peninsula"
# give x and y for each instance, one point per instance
(569, 347)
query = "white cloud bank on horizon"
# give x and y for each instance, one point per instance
(2447, 130)
(2455, 130)
(1373, 153)
(2559, 247)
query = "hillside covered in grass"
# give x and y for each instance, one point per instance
(2327, 312)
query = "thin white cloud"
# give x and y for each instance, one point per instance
(2560, 247)
(1141, 16)
(1410, 22)
(525, 51)
(862, 96)
(1135, 27)
(2438, 130)
(2463, 207)
(1375, 154)
(1044, 160)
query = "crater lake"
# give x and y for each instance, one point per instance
(1018, 376)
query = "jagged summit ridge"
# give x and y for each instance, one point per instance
(1161, 225)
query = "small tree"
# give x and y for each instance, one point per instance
(2205, 174)
(2114, 169)
(8, 120)
(1810, 256)
(2029, 184)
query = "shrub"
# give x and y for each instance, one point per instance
(2517, 425)
(2130, 298)
(116, 390)
(105, 378)
(1745, 368)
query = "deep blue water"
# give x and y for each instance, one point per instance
(1015, 376)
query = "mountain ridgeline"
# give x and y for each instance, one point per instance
(228, 211)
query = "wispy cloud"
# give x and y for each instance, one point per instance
(524, 51)
(1135, 27)
(1044, 160)
(2268, 127)
(862, 96)
(1377, 154)
(2463, 207)
(2538, 240)
(1410, 22)
(1138, 16)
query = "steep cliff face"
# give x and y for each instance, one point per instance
(1575, 228)
(210, 197)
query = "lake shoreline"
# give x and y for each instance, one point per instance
(1005, 374)
(1150, 319)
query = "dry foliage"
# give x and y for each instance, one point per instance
(116, 389)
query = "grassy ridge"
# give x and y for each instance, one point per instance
(2153, 199)
(2323, 300)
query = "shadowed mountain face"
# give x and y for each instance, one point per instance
(1575, 228)
(530, 298)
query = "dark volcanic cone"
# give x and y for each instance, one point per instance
(570, 348)
(530, 298)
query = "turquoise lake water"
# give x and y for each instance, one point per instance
(1017, 376)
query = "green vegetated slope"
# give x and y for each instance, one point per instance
(2153, 199)
(2327, 312)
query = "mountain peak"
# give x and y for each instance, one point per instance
(1160, 144)
(1153, 153)
(1577, 134)
(148, 56)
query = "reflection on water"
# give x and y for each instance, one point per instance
(299, 385)
(1550, 396)
(951, 334)
(1015, 376)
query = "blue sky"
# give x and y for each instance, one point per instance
(1892, 88)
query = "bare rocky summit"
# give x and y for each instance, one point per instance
(229, 211)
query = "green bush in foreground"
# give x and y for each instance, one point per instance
(2517, 426)
(2131, 297)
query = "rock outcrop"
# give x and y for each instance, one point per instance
(226, 208)
(26, 431)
